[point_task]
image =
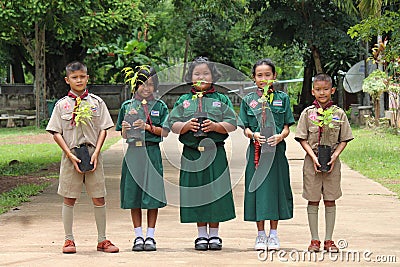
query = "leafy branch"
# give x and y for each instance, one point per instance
(132, 76)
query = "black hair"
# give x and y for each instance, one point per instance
(323, 77)
(144, 74)
(203, 60)
(265, 61)
(74, 66)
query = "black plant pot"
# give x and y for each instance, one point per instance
(133, 133)
(82, 153)
(201, 117)
(267, 131)
(324, 156)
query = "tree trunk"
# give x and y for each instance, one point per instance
(317, 59)
(185, 59)
(40, 73)
(306, 97)
(17, 70)
(377, 111)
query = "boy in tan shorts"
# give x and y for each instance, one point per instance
(69, 134)
(316, 182)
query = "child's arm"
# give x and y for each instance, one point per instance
(99, 144)
(311, 153)
(336, 154)
(277, 138)
(61, 143)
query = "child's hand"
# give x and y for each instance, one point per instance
(125, 125)
(332, 162)
(93, 160)
(316, 164)
(275, 139)
(209, 126)
(139, 124)
(259, 138)
(74, 159)
(192, 125)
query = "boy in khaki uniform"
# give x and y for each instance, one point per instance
(68, 135)
(316, 182)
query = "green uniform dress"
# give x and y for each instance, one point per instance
(142, 184)
(268, 195)
(205, 186)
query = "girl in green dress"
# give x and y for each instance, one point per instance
(203, 118)
(142, 185)
(268, 195)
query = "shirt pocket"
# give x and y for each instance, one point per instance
(254, 118)
(334, 135)
(279, 116)
(66, 121)
(155, 117)
(313, 138)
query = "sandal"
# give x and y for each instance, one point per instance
(198, 245)
(214, 245)
(150, 244)
(138, 244)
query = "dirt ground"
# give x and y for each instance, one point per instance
(7, 183)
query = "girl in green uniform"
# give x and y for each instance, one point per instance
(268, 195)
(203, 118)
(142, 185)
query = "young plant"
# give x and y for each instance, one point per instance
(83, 113)
(198, 93)
(132, 75)
(325, 119)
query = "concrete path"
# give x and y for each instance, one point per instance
(367, 223)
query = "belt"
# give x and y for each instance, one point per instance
(140, 143)
(207, 148)
(86, 144)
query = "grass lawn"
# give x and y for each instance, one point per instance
(375, 154)
(28, 158)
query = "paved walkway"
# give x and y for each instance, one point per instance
(367, 219)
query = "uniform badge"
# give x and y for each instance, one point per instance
(93, 108)
(216, 104)
(186, 104)
(155, 113)
(67, 106)
(253, 104)
(277, 103)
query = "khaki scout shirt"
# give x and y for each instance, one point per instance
(60, 121)
(306, 130)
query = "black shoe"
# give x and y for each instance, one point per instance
(150, 244)
(201, 246)
(138, 244)
(213, 245)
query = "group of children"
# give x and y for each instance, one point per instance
(203, 119)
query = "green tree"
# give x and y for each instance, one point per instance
(317, 28)
(53, 33)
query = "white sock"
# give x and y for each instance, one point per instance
(273, 232)
(138, 231)
(213, 232)
(262, 233)
(202, 231)
(150, 232)
(68, 219)
(100, 218)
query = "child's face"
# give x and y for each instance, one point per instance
(263, 72)
(77, 80)
(202, 73)
(322, 90)
(146, 89)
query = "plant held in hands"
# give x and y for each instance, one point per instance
(325, 120)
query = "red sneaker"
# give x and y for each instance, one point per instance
(330, 246)
(69, 247)
(314, 246)
(107, 246)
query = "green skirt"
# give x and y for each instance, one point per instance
(205, 186)
(268, 194)
(142, 184)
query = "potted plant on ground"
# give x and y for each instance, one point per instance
(82, 115)
(324, 119)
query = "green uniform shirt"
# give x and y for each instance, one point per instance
(158, 112)
(218, 107)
